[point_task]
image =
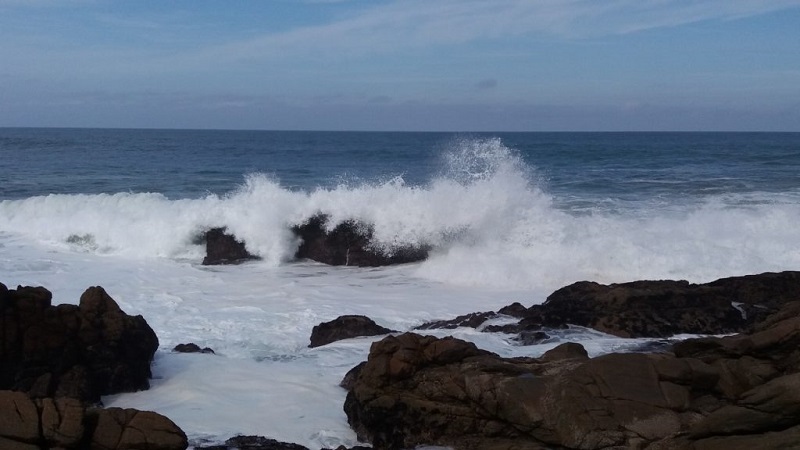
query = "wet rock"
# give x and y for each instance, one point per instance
(253, 443)
(345, 327)
(82, 351)
(191, 348)
(712, 392)
(65, 423)
(664, 308)
(472, 320)
(514, 310)
(224, 248)
(532, 337)
(349, 244)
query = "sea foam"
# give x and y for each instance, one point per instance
(487, 215)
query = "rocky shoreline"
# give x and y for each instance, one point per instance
(737, 391)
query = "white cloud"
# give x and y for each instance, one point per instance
(421, 23)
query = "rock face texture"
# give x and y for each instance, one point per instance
(349, 244)
(64, 423)
(736, 392)
(223, 248)
(650, 308)
(345, 327)
(82, 351)
(665, 308)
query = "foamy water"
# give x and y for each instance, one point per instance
(498, 234)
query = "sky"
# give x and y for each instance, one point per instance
(406, 65)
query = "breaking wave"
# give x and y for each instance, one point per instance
(488, 217)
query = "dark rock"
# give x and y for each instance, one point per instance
(223, 248)
(472, 320)
(351, 376)
(349, 244)
(65, 423)
(191, 348)
(82, 351)
(260, 443)
(532, 337)
(357, 447)
(514, 310)
(345, 327)
(738, 391)
(565, 351)
(666, 308)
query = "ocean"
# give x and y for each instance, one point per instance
(509, 216)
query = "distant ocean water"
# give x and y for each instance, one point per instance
(511, 217)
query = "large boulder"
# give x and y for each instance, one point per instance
(345, 327)
(32, 424)
(660, 308)
(224, 248)
(713, 393)
(82, 351)
(350, 243)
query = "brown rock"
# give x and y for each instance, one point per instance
(19, 418)
(65, 423)
(129, 429)
(713, 393)
(62, 422)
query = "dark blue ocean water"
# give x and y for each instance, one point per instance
(577, 169)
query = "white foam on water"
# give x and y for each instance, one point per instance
(487, 217)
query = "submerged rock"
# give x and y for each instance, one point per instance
(82, 351)
(66, 423)
(224, 248)
(345, 327)
(349, 244)
(713, 393)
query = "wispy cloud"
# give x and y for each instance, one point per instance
(420, 23)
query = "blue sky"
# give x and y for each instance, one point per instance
(450, 65)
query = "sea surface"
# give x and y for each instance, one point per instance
(510, 217)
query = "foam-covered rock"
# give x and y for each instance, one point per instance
(349, 243)
(224, 248)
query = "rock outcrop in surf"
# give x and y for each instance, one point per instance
(345, 327)
(711, 393)
(649, 308)
(82, 351)
(349, 243)
(224, 248)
